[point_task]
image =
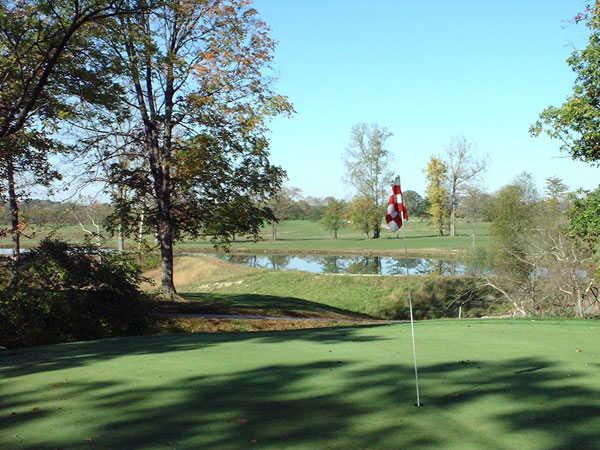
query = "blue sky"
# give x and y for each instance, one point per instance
(428, 71)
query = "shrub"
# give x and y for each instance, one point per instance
(67, 293)
(440, 297)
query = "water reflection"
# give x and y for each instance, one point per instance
(375, 265)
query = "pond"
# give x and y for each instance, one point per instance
(8, 251)
(346, 264)
(349, 264)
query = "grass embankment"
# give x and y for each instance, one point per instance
(197, 278)
(304, 236)
(493, 384)
(212, 285)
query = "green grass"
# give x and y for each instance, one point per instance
(259, 304)
(234, 287)
(373, 296)
(308, 236)
(493, 385)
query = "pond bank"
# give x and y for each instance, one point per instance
(383, 297)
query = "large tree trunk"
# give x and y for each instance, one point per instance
(14, 214)
(274, 230)
(162, 189)
(165, 238)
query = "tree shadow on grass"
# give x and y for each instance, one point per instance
(270, 406)
(25, 361)
(539, 398)
(324, 403)
(210, 303)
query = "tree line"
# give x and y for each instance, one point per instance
(452, 188)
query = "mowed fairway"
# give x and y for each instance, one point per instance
(308, 236)
(300, 236)
(485, 385)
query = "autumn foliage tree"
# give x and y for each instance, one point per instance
(195, 76)
(437, 175)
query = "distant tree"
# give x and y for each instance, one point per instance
(334, 217)
(526, 183)
(476, 205)
(363, 213)
(555, 188)
(437, 177)
(368, 167)
(36, 212)
(514, 219)
(575, 122)
(282, 205)
(316, 207)
(302, 210)
(416, 205)
(584, 217)
(463, 169)
(556, 201)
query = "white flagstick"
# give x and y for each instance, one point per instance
(412, 329)
(412, 322)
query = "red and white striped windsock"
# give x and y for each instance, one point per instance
(397, 213)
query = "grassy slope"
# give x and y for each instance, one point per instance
(307, 236)
(366, 295)
(500, 384)
(223, 287)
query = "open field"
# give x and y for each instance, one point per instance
(306, 236)
(485, 384)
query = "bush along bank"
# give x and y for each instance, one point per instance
(64, 293)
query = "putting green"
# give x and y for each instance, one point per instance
(496, 384)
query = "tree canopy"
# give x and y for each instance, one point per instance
(437, 176)
(197, 88)
(369, 168)
(575, 123)
(584, 216)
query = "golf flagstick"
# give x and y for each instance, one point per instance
(412, 330)
(412, 322)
